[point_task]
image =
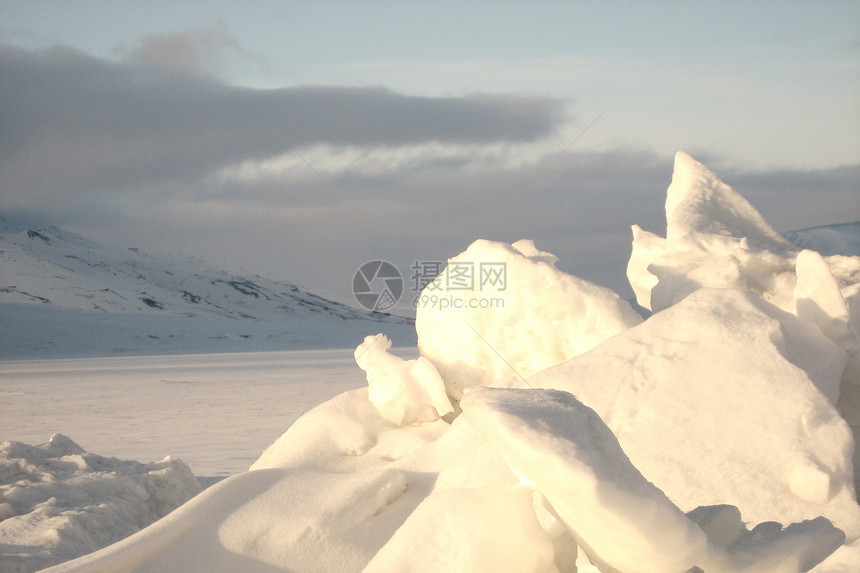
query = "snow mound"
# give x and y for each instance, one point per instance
(545, 428)
(500, 311)
(58, 502)
(744, 393)
(565, 451)
(404, 391)
(621, 521)
(715, 238)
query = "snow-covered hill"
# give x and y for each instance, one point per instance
(840, 239)
(62, 295)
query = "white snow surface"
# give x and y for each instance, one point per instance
(60, 502)
(214, 411)
(559, 432)
(742, 384)
(541, 316)
(403, 391)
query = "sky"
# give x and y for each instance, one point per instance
(298, 140)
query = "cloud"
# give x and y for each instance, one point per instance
(192, 50)
(307, 183)
(794, 198)
(74, 124)
(315, 227)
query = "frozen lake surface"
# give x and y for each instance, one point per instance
(217, 412)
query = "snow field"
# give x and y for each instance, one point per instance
(562, 433)
(214, 411)
(547, 316)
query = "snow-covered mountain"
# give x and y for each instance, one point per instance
(840, 239)
(61, 294)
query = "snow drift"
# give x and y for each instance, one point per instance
(559, 432)
(543, 316)
(60, 502)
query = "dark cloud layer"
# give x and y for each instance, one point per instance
(128, 151)
(797, 198)
(581, 209)
(72, 122)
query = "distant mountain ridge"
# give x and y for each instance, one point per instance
(48, 265)
(62, 295)
(839, 239)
